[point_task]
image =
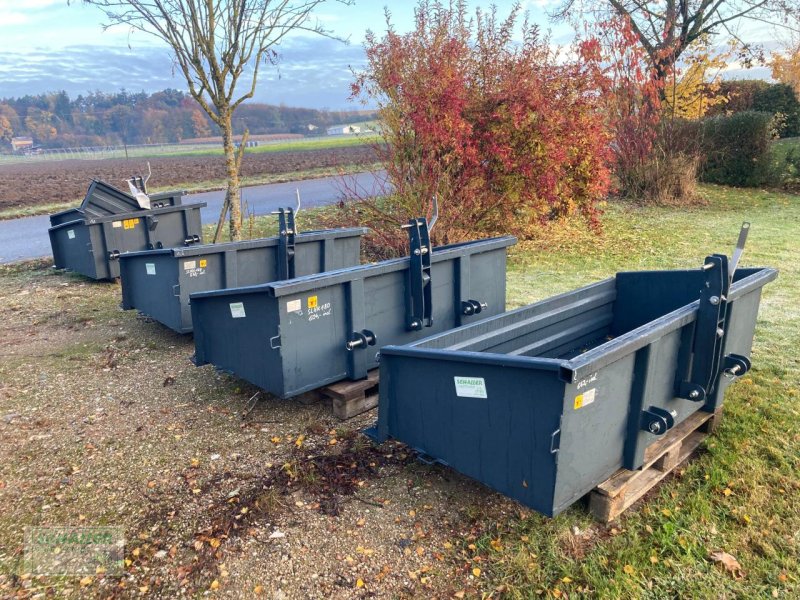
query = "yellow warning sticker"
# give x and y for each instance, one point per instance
(203, 263)
(312, 302)
(130, 223)
(585, 398)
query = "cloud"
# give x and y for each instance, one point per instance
(312, 72)
(12, 19)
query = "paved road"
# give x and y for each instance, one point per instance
(27, 237)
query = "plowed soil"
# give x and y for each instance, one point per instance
(46, 182)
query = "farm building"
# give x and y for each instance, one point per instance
(344, 129)
(20, 144)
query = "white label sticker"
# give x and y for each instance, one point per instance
(189, 264)
(151, 268)
(294, 305)
(585, 398)
(470, 387)
(116, 224)
(71, 234)
(237, 310)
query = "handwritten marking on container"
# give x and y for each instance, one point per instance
(318, 310)
(587, 380)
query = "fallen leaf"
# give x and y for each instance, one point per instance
(144, 589)
(496, 545)
(299, 441)
(360, 522)
(275, 439)
(215, 585)
(566, 580)
(729, 562)
(86, 581)
(654, 559)
(476, 571)
(629, 570)
(195, 463)
(359, 583)
(258, 590)
(727, 491)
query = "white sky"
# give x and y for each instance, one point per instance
(49, 45)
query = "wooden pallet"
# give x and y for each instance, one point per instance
(617, 493)
(351, 398)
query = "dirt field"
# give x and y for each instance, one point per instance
(104, 421)
(45, 182)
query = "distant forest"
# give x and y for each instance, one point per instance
(54, 120)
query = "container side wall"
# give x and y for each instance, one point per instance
(325, 330)
(504, 440)
(151, 285)
(239, 334)
(740, 327)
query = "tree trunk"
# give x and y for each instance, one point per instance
(233, 200)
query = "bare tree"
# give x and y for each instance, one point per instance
(665, 28)
(215, 44)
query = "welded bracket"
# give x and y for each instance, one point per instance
(286, 233)
(419, 302)
(709, 331)
(657, 420)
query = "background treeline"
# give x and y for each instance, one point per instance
(55, 120)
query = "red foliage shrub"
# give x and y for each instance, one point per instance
(507, 136)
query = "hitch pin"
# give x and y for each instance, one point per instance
(733, 371)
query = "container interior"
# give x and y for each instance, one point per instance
(568, 325)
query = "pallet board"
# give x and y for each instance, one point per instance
(624, 488)
(351, 398)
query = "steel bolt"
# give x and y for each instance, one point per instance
(714, 300)
(694, 394)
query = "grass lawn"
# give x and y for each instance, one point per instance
(741, 495)
(113, 425)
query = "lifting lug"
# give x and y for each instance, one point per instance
(113, 255)
(692, 391)
(361, 339)
(657, 420)
(473, 307)
(735, 365)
